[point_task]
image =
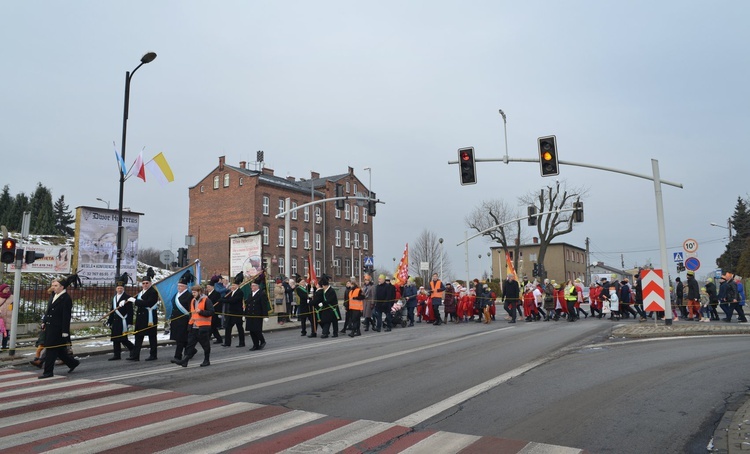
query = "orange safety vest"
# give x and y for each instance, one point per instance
(356, 304)
(197, 319)
(434, 286)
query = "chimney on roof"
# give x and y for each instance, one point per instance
(314, 175)
(351, 170)
(267, 171)
(221, 162)
(243, 164)
(290, 178)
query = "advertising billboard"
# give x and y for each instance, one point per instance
(245, 253)
(57, 259)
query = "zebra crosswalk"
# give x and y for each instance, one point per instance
(71, 415)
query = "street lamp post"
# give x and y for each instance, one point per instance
(148, 58)
(103, 201)
(441, 257)
(728, 227)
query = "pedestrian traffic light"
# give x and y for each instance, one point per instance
(9, 250)
(548, 156)
(467, 165)
(578, 213)
(536, 269)
(32, 256)
(372, 204)
(339, 193)
(532, 215)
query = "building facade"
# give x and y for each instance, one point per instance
(236, 199)
(562, 261)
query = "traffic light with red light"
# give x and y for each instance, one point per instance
(548, 156)
(467, 165)
(9, 251)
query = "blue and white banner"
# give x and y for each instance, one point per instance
(167, 287)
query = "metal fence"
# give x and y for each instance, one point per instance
(89, 303)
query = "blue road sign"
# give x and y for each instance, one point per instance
(369, 261)
(678, 257)
(692, 263)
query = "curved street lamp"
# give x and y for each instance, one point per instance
(148, 58)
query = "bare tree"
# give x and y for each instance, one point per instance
(426, 248)
(550, 226)
(495, 212)
(150, 256)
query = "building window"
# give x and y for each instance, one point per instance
(266, 234)
(306, 240)
(306, 214)
(347, 267)
(203, 188)
(281, 236)
(355, 220)
(347, 187)
(347, 212)
(241, 181)
(364, 215)
(281, 266)
(226, 180)
(294, 238)
(337, 267)
(354, 188)
(318, 217)
(365, 242)
(294, 267)
(337, 214)
(266, 203)
(347, 239)
(281, 206)
(317, 241)
(305, 266)
(317, 267)
(294, 213)
(337, 238)
(356, 240)
(216, 182)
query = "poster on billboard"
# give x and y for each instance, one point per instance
(95, 254)
(245, 253)
(56, 259)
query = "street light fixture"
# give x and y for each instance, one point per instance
(728, 227)
(103, 201)
(148, 58)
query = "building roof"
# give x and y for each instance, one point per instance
(273, 180)
(318, 182)
(608, 268)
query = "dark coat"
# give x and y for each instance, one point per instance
(256, 309)
(115, 321)
(232, 302)
(329, 312)
(214, 297)
(143, 304)
(385, 295)
(178, 326)
(304, 300)
(57, 321)
(410, 293)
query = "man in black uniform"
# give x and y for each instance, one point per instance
(146, 319)
(119, 320)
(256, 309)
(178, 325)
(215, 296)
(232, 302)
(511, 296)
(327, 304)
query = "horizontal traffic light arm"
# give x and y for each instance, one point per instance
(330, 199)
(507, 160)
(561, 210)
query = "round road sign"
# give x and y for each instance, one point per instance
(692, 264)
(690, 245)
(166, 257)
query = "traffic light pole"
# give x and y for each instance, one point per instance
(656, 178)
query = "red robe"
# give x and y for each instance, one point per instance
(529, 304)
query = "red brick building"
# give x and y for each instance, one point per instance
(236, 199)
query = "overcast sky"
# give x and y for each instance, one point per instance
(397, 86)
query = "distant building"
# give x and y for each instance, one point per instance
(235, 199)
(599, 268)
(562, 261)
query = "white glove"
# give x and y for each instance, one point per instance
(122, 303)
(131, 300)
(265, 319)
(66, 335)
(320, 304)
(130, 328)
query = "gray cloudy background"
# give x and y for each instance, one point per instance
(397, 86)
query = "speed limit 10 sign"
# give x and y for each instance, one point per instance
(690, 245)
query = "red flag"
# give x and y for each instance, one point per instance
(138, 168)
(510, 269)
(402, 272)
(313, 277)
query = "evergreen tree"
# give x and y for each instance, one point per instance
(743, 267)
(6, 206)
(20, 204)
(740, 223)
(63, 217)
(42, 212)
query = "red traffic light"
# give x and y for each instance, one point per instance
(467, 166)
(9, 251)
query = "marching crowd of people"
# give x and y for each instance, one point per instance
(215, 309)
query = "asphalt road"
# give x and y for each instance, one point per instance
(557, 383)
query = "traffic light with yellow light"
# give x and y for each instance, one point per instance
(9, 251)
(548, 156)
(467, 165)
